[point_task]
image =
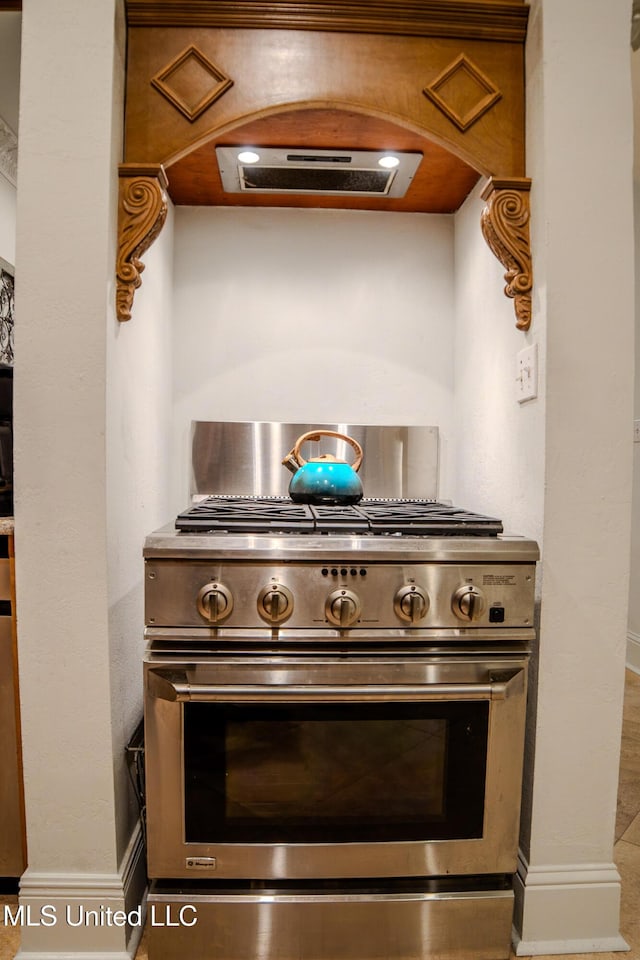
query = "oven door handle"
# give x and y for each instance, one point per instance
(174, 686)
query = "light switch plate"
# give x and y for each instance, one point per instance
(527, 373)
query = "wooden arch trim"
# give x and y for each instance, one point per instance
(475, 19)
(451, 71)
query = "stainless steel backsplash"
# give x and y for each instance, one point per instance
(245, 458)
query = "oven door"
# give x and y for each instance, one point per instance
(322, 767)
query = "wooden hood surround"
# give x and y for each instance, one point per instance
(441, 77)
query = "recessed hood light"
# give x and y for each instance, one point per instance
(360, 173)
(248, 156)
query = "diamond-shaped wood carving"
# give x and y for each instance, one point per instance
(191, 82)
(462, 92)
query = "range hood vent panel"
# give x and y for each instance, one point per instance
(319, 172)
(324, 180)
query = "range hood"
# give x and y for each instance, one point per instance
(297, 170)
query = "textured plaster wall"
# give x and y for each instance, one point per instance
(634, 592)
(92, 418)
(586, 304)
(65, 251)
(499, 442)
(583, 309)
(138, 470)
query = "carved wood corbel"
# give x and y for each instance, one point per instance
(142, 211)
(505, 226)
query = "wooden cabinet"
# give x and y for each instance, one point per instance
(12, 834)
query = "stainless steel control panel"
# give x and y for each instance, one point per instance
(338, 594)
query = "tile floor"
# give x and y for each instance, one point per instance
(626, 851)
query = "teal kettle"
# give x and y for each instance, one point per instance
(324, 479)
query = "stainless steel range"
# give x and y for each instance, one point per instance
(334, 714)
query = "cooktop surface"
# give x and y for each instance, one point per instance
(380, 517)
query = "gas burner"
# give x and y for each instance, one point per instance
(379, 517)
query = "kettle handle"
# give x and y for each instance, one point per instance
(315, 435)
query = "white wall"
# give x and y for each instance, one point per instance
(60, 406)
(579, 155)
(74, 622)
(138, 469)
(499, 442)
(312, 316)
(633, 638)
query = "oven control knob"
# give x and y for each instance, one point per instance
(275, 603)
(215, 602)
(411, 603)
(468, 602)
(342, 607)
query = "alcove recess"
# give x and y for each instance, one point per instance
(442, 77)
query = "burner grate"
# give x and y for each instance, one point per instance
(427, 518)
(247, 515)
(371, 517)
(343, 519)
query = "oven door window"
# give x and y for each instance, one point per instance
(326, 773)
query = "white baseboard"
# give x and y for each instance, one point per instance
(81, 916)
(56, 955)
(543, 948)
(633, 651)
(567, 908)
